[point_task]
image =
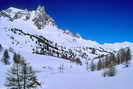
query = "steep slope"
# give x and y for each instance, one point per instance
(72, 75)
(35, 35)
(23, 29)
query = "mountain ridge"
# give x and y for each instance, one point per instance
(37, 23)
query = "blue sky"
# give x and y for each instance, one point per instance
(100, 20)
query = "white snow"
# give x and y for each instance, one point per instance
(74, 76)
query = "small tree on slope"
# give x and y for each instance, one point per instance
(1, 48)
(21, 76)
(5, 58)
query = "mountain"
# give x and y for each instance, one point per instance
(36, 26)
(37, 37)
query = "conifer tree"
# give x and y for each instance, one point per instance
(128, 57)
(93, 51)
(99, 65)
(17, 59)
(110, 72)
(13, 79)
(92, 66)
(21, 75)
(5, 58)
(0, 47)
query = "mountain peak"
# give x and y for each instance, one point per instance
(41, 9)
(39, 17)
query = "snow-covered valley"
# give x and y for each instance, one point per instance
(73, 76)
(63, 60)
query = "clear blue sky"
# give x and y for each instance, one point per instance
(100, 20)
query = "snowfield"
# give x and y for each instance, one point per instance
(73, 75)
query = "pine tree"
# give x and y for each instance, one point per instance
(78, 61)
(93, 51)
(99, 65)
(22, 76)
(110, 72)
(0, 47)
(14, 79)
(18, 59)
(5, 58)
(29, 77)
(128, 57)
(92, 66)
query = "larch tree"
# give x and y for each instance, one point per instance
(21, 75)
(6, 57)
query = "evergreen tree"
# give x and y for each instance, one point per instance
(112, 57)
(93, 51)
(5, 58)
(128, 57)
(92, 66)
(110, 72)
(0, 47)
(18, 59)
(14, 80)
(22, 76)
(99, 65)
(29, 77)
(77, 60)
(118, 58)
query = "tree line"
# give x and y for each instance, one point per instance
(108, 62)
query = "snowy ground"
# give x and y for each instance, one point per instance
(73, 77)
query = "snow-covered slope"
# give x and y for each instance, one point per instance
(31, 33)
(117, 46)
(50, 31)
(38, 23)
(73, 76)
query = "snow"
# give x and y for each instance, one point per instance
(51, 32)
(118, 46)
(74, 76)
(90, 81)
(78, 78)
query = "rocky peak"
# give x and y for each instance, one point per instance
(40, 10)
(14, 13)
(41, 18)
